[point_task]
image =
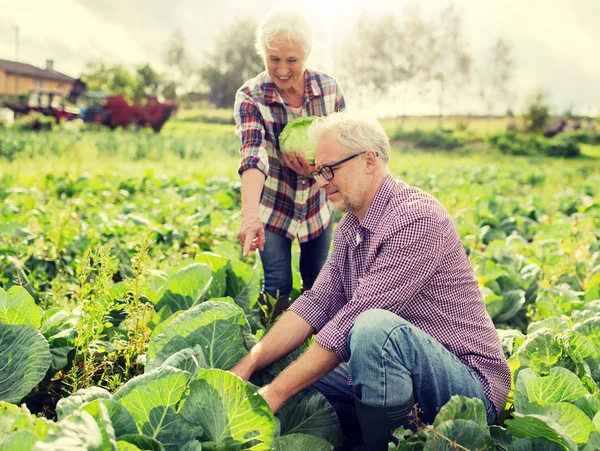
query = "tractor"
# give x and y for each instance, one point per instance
(114, 111)
(49, 103)
(109, 110)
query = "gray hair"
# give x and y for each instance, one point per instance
(355, 133)
(283, 21)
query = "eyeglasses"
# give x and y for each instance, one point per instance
(327, 171)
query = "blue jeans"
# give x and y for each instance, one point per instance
(277, 261)
(392, 359)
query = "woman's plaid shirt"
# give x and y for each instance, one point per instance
(291, 205)
(406, 257)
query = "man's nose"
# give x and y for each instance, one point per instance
(322, 182)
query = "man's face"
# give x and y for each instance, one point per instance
(348, 188)
(285, 63)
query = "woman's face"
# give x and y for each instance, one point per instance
(285, 63)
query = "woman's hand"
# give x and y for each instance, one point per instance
(297, 163)
(251, 233)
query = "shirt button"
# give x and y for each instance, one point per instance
(357, 238)
(304, 182)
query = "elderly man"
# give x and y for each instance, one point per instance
(397, 312)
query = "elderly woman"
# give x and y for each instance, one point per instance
(280, 199)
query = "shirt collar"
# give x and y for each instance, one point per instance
(374, 213)
(311, 88)
(380, 201)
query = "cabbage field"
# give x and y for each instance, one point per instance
(124, 297)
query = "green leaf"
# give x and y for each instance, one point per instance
(78, 431)
(192, 445)
(301, 442)
(121, 419)
(588, 404)
(561, 385)
(557, 324)
(539, 426)
(229, 411)
(220, 329)
(188, 359)
(18, 307)
(540, 351)
(572, 420)
(13, 418)
(24, 360)
(186, 287)
(143, 442)
(463, 408)
(151, 399)
(592, 288)
(513, 302)
(465, 433)
(218, 264)
(125, 446)
(19, 441)
(99, 412)
(243, 285)
(68, 405)
(313, 415)
(534, 444)
(593, 443)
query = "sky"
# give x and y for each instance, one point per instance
(555, 43)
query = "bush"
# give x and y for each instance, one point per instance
(35, 121)
(431, 139)
(537, 114)
(583, 136)
(513, 143)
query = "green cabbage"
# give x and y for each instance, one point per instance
(294, 138)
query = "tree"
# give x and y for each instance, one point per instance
(449, 64)
(115, 79)
(495, 75)
(179, 78)
(232, 62)
(149, 81)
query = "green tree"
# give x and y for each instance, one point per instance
(231, 63)
(180, 76)
(115, 79)
(149, 81)
(537, 113)
(449, 64)
(494, 76)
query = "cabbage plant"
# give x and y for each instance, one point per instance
(294, 138)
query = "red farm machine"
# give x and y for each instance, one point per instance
(94, 107)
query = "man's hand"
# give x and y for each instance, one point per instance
(274, 400)
(297, 163)
(251, 233)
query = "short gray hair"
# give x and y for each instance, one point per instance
(355, 133)
(289, 22)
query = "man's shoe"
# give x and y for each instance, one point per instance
(377, 424)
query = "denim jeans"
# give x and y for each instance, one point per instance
(277, 261)
(390, 359)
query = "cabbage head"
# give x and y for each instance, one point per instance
(294, 138)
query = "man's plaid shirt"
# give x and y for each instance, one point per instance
(406, 257)
(291, 205)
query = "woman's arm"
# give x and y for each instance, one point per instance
(251, 232)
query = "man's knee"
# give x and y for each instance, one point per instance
(372, 329)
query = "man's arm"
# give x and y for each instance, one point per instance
(311, 366)
(286, 336)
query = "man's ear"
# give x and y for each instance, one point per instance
(371, 157)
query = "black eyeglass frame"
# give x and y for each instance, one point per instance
(329, 167)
